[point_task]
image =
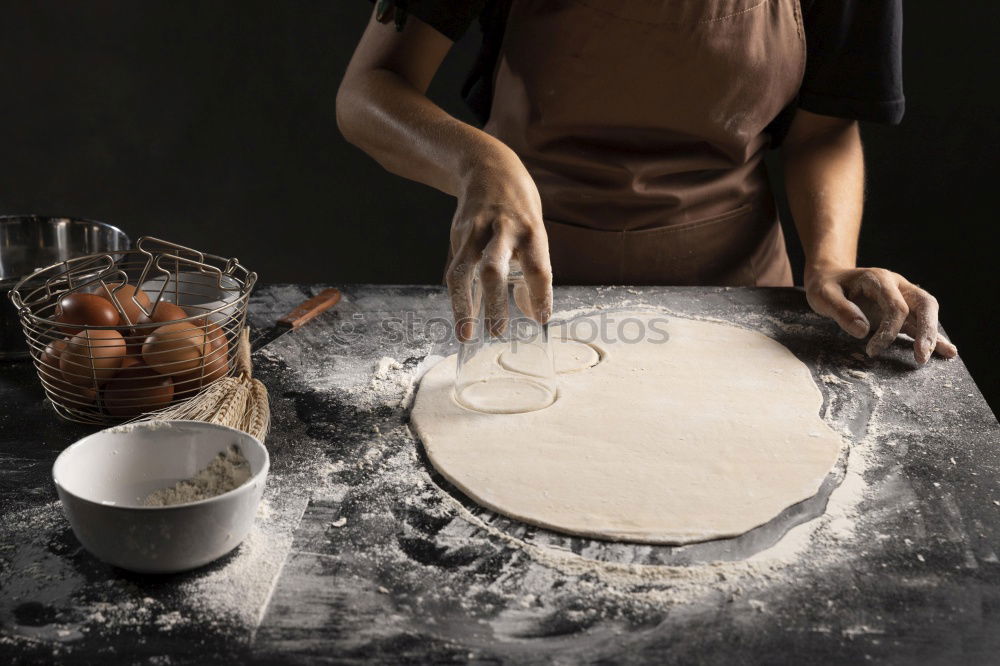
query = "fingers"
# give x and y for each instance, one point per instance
(945, 348)
(459, 281)
(489, 242)
(882, 288)
(493, 271)
(831, 302)
(922, 324)
(859, 298)
(537, 271)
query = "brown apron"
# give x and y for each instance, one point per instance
(643, 124)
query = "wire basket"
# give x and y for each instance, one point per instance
(118, 334)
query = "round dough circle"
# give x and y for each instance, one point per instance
(516, 395)
(704, 436)
(567, 356)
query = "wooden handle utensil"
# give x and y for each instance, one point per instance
(300, 314)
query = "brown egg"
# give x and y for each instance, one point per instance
(216, 366)
(174, 348)
(123, 296)
(216, 363)
(186, 386)
(133, 344)
(130, 362)
(52, 378)
(53, 351)
(91, 355)
(214, 333)
(79, 309)
(71, 395)
(65, 330)
(135, 390)
(164, 312)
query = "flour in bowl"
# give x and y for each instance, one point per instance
(229, 470)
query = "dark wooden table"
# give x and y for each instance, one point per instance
(361, 553)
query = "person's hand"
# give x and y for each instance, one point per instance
(860, 299)
(499, 218)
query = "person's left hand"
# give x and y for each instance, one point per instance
(860, 298)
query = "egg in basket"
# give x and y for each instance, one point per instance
(119, 334)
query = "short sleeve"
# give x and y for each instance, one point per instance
(449, 17)
(854, 59)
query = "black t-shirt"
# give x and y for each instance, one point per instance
(853, 55)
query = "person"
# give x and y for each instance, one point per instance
(623, 143)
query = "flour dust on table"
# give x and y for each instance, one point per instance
(703, 433)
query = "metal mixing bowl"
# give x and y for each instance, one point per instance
(30, 242)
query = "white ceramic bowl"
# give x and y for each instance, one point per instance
(200, 293)
(102, 479)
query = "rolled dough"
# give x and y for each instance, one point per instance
(567, 356)
(704, 436)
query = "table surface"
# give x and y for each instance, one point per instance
(362, 553)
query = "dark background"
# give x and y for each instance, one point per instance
(211, 123)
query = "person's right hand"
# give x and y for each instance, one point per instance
(499, 218)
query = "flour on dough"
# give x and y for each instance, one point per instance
(704, 436)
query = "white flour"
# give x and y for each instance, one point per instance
(391, 384)
(126, 428)
(238, 592)
(387, 382)
(227, 471)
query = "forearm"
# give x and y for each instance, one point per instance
(409, 135)
(383, 109)
(824, 181)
